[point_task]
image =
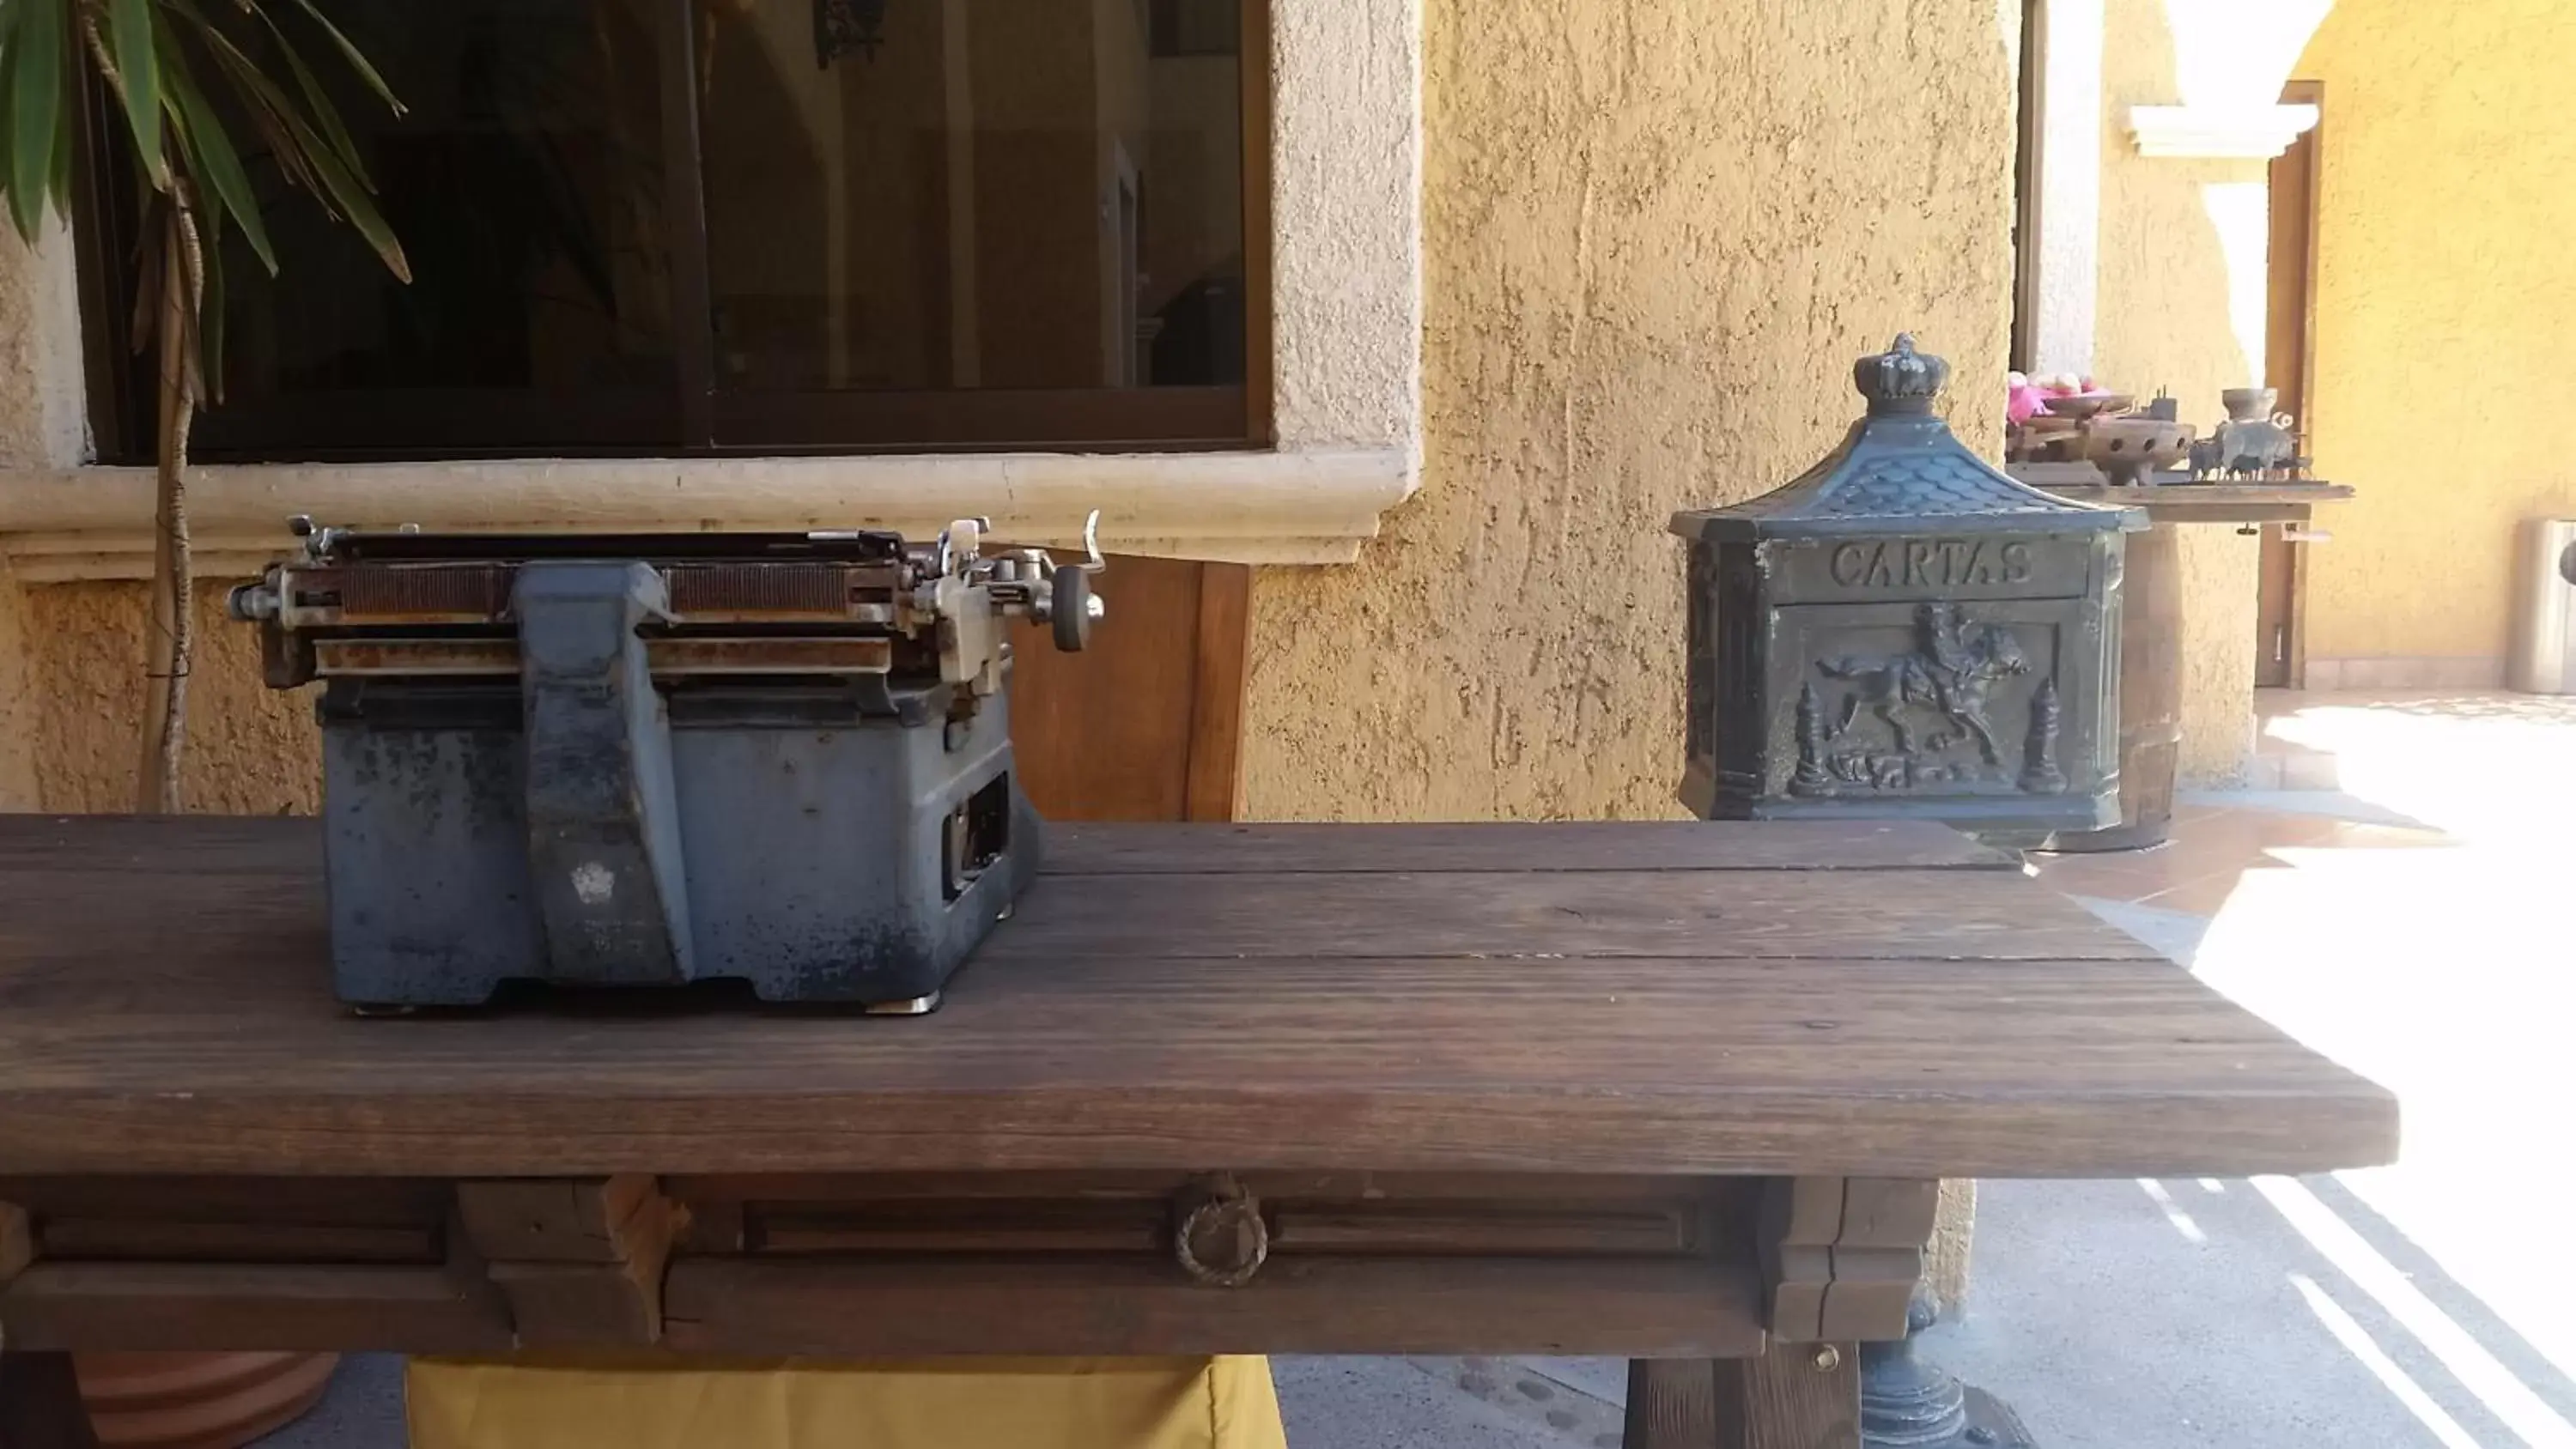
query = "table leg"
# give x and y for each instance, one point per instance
(1797, 1396)
(40, 1403)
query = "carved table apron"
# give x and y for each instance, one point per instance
(1675, 1092)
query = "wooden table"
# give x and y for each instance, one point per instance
(1678, 1092)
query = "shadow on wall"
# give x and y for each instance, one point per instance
(2170, 314)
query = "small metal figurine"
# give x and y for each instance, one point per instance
(2255, 442)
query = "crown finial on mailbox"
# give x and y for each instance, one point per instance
(1901, 380)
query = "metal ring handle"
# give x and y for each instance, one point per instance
(1224, 1215)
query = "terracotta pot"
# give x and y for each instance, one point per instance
(197, 1400)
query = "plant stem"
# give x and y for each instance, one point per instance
(98, 55)
(171, 643)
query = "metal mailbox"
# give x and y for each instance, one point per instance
(1903, 630)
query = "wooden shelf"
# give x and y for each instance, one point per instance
(2283, 501)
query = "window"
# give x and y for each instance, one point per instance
(645, 227)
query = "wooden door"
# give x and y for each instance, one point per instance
(2279, 647)
(1145, 724)
(2026, 159)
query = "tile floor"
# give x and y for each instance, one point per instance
(2218, 841)
(2391, 894)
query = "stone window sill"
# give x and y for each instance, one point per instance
(1313, 506)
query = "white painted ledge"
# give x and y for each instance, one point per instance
(2256, 133)
(1288, 507)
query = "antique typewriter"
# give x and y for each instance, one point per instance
(653, 759)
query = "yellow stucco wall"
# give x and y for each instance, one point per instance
(2163, 322)
(20, 712)
(251, 750)
(1657, 236)
(2443, 295)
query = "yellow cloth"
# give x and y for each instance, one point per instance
(537, 1402)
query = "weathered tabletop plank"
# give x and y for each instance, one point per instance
(1090, 849)
(1933, 1020)
(1781, 914)
(269, 845)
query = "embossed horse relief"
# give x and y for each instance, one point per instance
(1951, 672)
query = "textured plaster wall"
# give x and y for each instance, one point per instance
(1655, 237)
(2443, 294)
(71, 655)
(2164, 322)
(18, 706)
(41, 420)
(251, 751)
(2221, 580)
(1346, 190)
(41, 426)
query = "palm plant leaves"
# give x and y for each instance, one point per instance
(157, 57)
(38, 55)
(358, 62)
(326, 116)
(207, 147)
(306, 152)
(130, 41)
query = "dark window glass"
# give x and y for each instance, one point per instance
(525, 183)
(1195, 27)
(644, 226)
(938, 234)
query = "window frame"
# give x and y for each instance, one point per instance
(696, 419)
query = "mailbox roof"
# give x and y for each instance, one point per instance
(1900, 473)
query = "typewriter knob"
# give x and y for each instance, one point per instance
(1072, 609)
